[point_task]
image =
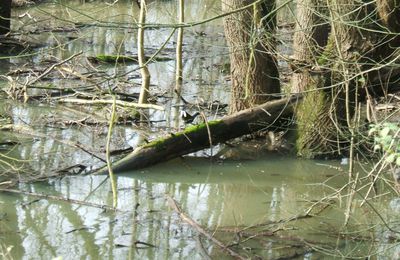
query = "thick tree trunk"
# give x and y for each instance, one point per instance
(254, 69)
(389, 13)
(195, 138)
(357, 56)
(311, 36)
(5, 15)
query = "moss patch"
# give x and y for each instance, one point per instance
(160, 142)
(308, 118)
(113, 59)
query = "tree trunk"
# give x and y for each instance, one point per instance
(356, 55)
(311, 36)
(389, 14)
(254, 70)
(5, 15)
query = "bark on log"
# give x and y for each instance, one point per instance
(195, 138)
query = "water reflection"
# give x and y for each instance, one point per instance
(215, 195)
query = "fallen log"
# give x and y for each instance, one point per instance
(201, 136)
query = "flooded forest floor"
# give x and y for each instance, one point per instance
(55, 109)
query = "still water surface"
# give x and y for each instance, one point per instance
(222, 196)
(219, 196)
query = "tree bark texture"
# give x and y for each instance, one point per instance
(5, 15)
(254, 70)
(310, 37)
(357, 56)
(389, 14)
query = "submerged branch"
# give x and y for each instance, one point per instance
(109, 102)
(58, 198)
(201, 230)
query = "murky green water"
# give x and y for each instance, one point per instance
(265, 199)
(219, 196)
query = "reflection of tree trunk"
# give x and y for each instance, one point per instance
(253, 65)
(12, 227)
(5, 15)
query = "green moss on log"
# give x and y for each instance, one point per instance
(114, 58)
(160, 143)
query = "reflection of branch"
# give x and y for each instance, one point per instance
(201, 230)
(25, 130)
(57, 198)
(297, 217)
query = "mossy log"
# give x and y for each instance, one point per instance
(195, 138)
(125, 59)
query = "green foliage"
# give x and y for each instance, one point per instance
(386, 136)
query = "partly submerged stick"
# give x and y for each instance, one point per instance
(201, 230)
(109, 164)
(106, 101)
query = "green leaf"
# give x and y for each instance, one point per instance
(371, 131)
(377, 147)
(384, 132)
(391, 158)
(398, 161)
